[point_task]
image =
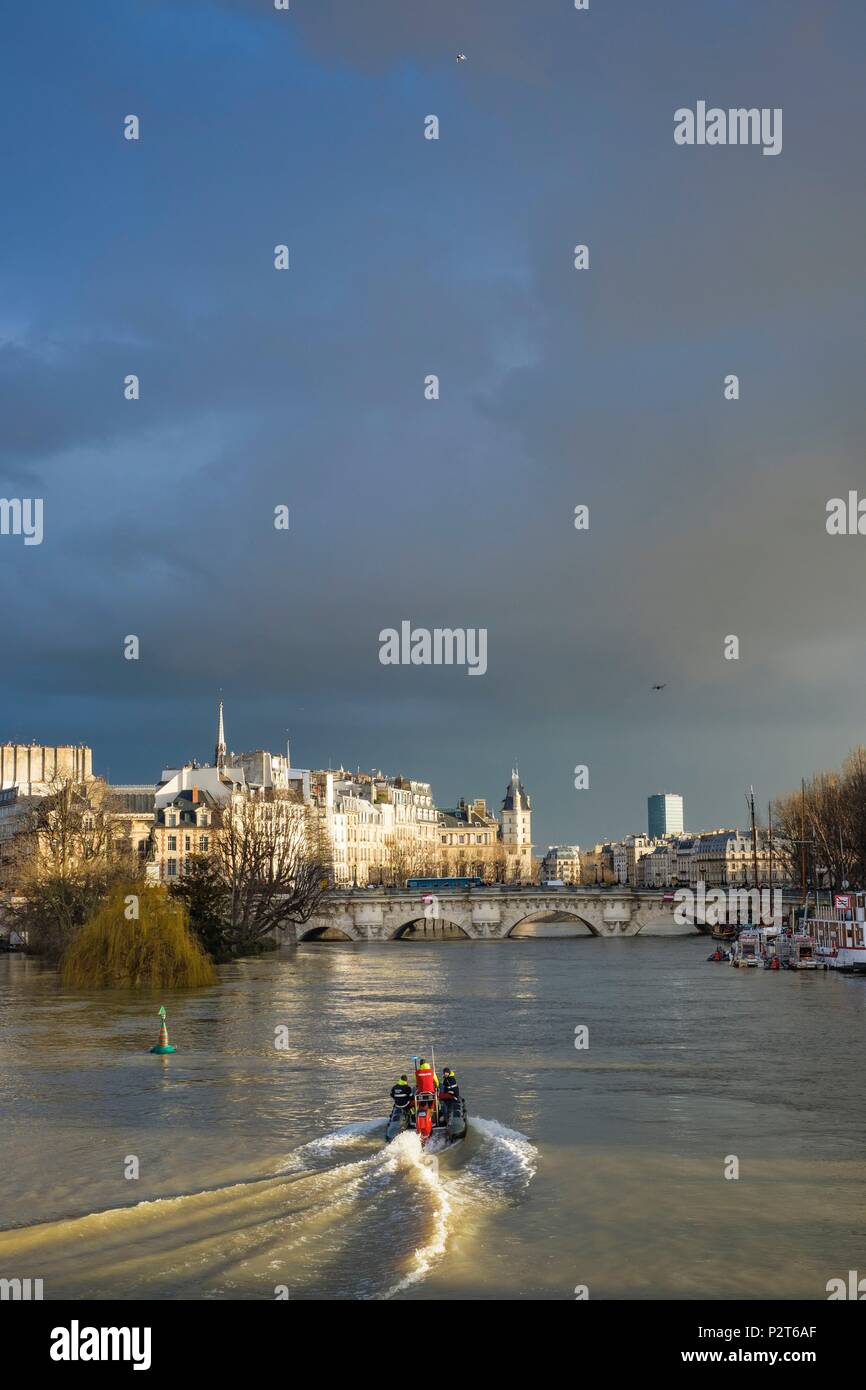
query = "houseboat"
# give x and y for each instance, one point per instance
(839, 930)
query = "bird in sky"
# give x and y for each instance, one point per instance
(461, 58)
(661, 687)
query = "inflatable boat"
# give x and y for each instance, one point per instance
(437, 1118)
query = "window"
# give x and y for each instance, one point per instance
(187, 842)
(202, 842)
(172, 820)
(172, 842)
(171, 868)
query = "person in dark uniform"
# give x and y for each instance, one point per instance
(449, 1092)
(401, 1094)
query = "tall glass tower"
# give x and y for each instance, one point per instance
(664, 815)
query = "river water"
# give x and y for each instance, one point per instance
(263, 1168)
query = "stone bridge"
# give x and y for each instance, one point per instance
(488, 913)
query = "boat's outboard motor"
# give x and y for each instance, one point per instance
(423, 1122)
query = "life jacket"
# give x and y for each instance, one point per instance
(425, 1081)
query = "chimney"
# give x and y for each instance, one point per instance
(194, 796)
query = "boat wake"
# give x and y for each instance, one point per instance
(343, 1216)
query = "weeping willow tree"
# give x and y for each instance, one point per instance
(138, 938)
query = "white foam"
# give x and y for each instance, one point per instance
(425, 1256)
(499, 1169)
(337, 1139)
(501, 1164)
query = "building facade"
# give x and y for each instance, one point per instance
(35, 767)
(724, 858)
(469, 843)
(517, 831)
(664, 815)
(30, 771)
(382, 829)
(183, 826)
(562, 863)
(597, 864)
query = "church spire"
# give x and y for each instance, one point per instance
(220, 754)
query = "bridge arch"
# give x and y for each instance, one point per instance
(533, 919)
(324, 933)
(424, 929)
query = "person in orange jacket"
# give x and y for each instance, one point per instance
(426, 1084)
(424, 1066)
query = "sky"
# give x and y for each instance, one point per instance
(304, 388)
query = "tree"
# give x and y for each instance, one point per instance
(137, 938)
(268, 867)
(497, 864)
(403, 861)
(63, 860)
(205, 895)
(824, 825)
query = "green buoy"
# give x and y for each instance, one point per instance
(163, 1045)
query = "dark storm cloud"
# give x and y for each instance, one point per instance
(454, 257)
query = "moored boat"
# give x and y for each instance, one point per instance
(839, 930)
(746, 950)
(797, 951)
(726, 934)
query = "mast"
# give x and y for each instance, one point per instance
(803, 836)
(754, 838)
(770, 838)
(436, 1088)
